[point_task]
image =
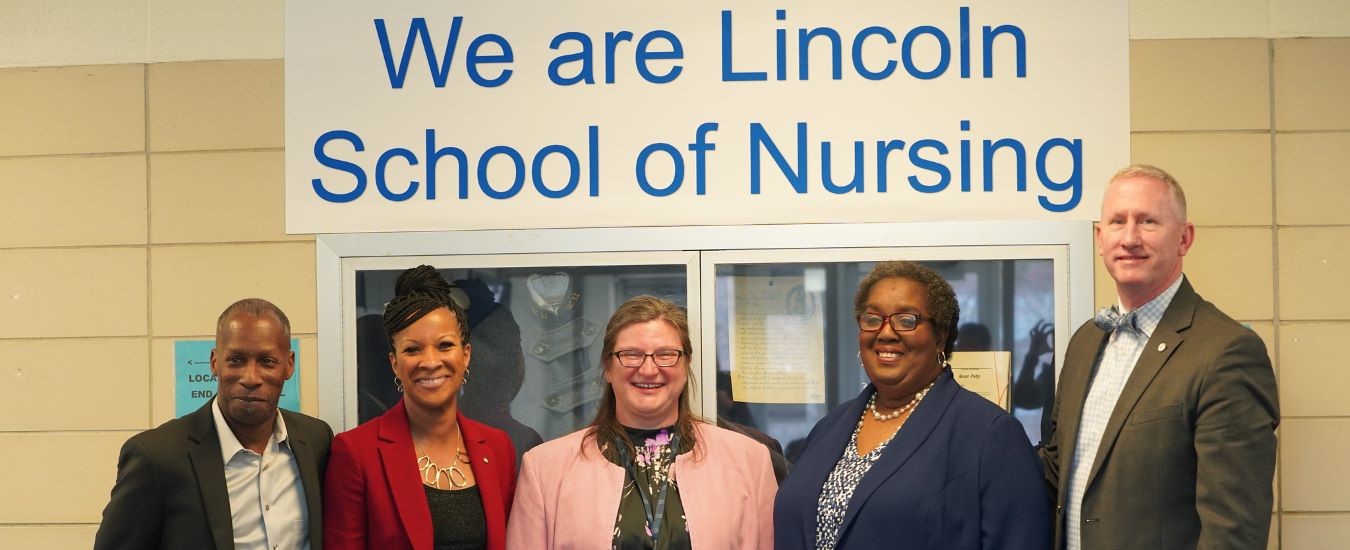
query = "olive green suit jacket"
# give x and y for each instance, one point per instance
(1188, 454)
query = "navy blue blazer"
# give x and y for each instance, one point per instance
(959, 474)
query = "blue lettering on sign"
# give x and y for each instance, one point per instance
(884, 56)
(558, 170)
(1073, 183)
(944, 174)
(677, 162)
(440, 59)
(644, 54)
(729, 74)
(517, 163)
(437, 157)
(321, 155)
(932, 166)
(759, 139)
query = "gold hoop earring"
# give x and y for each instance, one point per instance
(942, 360)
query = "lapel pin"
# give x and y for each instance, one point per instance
(485, 460)
(1162, 346)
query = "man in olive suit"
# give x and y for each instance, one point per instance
(1163, 430)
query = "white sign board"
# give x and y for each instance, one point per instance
(422, 115)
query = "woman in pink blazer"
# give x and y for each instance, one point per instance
(421, 476)
(646, 473)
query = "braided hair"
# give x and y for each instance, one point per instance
(419, 291)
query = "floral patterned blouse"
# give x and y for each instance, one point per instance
(652, 458)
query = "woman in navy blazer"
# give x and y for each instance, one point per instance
(421, 476)
(915, 461)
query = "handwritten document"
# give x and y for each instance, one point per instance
(777, 341)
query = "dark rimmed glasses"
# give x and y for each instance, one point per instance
(900, 322)
(663, 358)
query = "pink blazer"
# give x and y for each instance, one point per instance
(567, 500)
(373, 496)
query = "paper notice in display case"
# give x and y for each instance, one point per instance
(777, 341)
(985, 373)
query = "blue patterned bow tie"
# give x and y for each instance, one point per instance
(1109, 319)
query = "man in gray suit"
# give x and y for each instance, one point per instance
(1163, 431)
(238, 473)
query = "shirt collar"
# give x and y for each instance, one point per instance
(229, 444)
(1148, 316)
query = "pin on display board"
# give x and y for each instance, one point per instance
(194, 384)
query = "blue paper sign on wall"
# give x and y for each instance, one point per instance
(194, 384)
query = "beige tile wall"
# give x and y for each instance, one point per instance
(154, 197)
(64, 110)
(1311, 79)
(139, 201)
(1227, 175)
(37, 33)
(73, 201)
(1204, 85)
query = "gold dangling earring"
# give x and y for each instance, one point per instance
(398, 384)
(942, 360)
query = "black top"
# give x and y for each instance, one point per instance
(652, 458)
(457, 521)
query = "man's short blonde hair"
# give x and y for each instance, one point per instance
(1150, 171)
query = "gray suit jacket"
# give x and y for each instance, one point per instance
(1189, 451)
(170, 491)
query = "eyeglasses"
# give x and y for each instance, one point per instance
(633, 359)
(900, 322)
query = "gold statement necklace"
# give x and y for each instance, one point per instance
(432, 473)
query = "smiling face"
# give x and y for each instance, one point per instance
(252, 360)
(647, 396)
(430, 359)
(1142, 238)
(900, 363)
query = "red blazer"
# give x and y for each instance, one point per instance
(373, 496)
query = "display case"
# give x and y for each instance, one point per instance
(770, 307)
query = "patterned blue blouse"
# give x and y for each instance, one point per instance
(839, 487)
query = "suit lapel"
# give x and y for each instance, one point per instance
(309, 478)
(1073, 388)
(831, 438)
(902, 446)
(482, 461)
(398, 458)
(209, 469)
(1166, 338)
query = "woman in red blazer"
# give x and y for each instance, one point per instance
(421, 476)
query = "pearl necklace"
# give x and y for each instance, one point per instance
(872, 404)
